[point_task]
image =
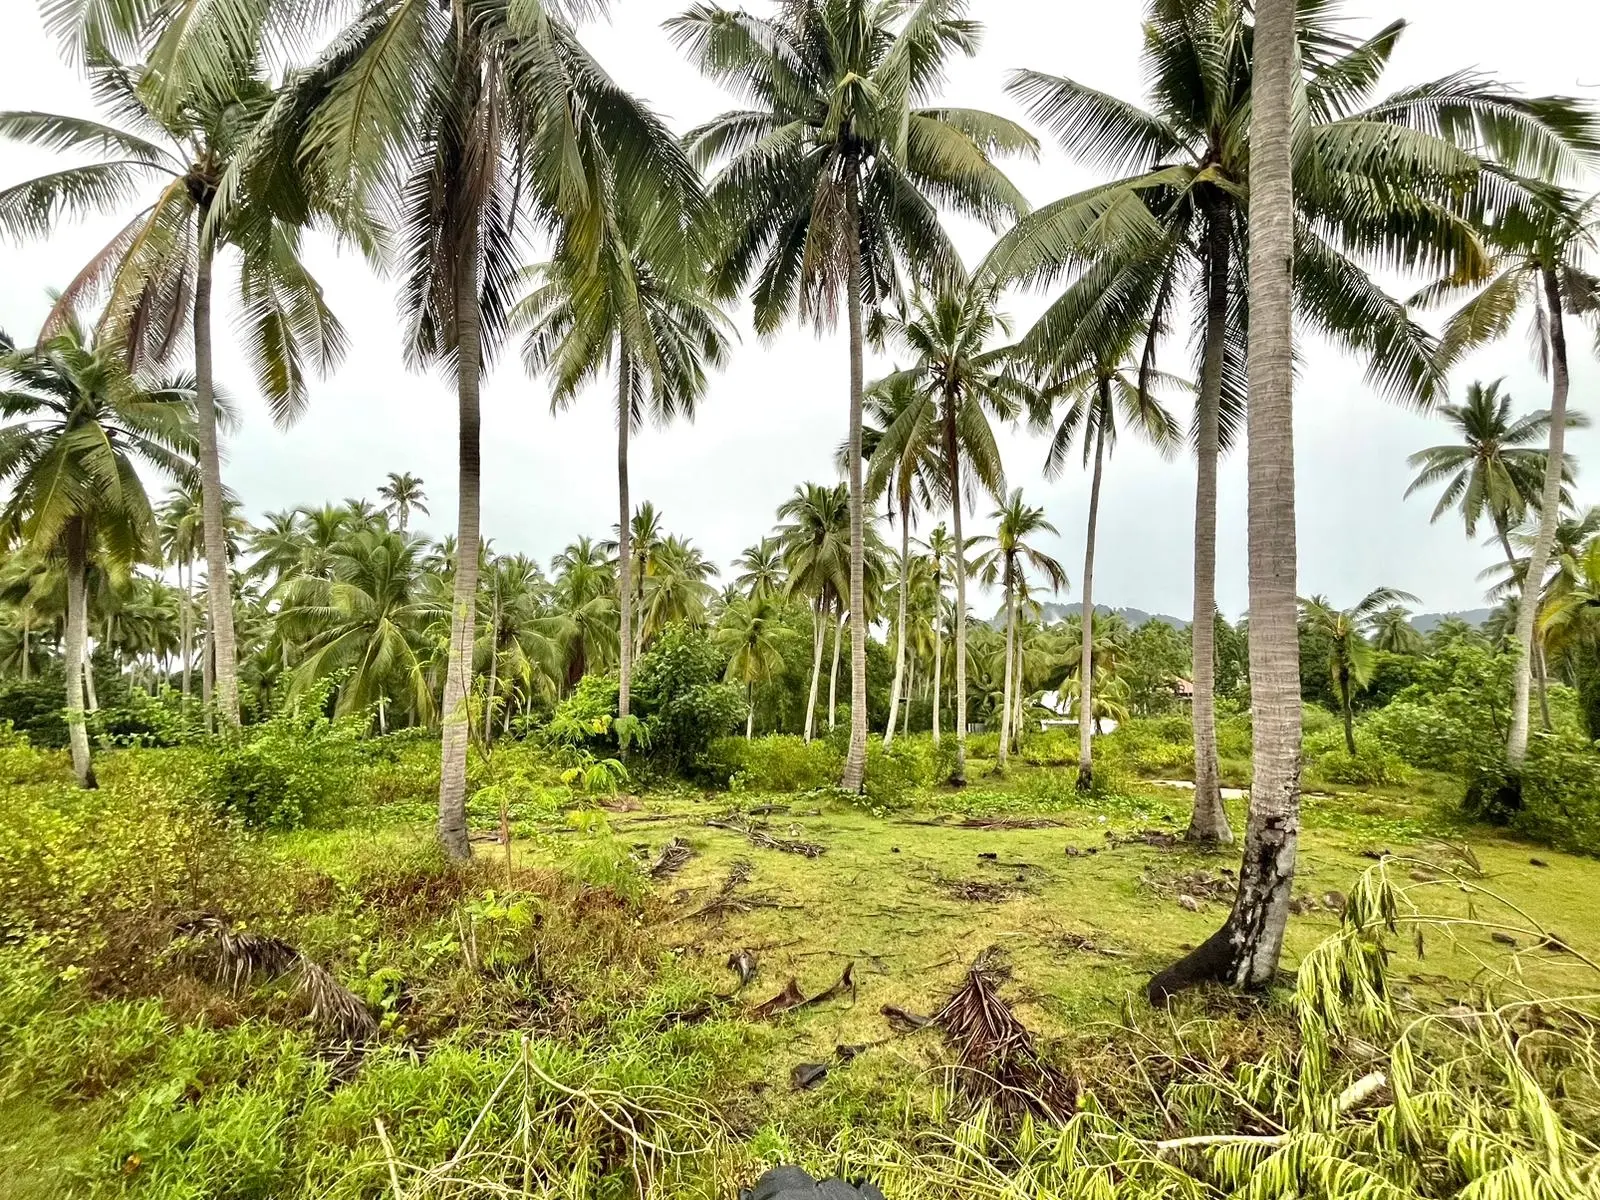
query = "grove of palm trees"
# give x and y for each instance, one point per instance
(397, 840)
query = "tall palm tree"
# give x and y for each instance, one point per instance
(1380, 183)
(831, 182)
(1544, 246)
(1006, 563)
(1350, 653)
(180, 532)
(753, 635)
(403, 495)
(171, 148)
(584, 594)
(1570, 623)
(814, 529)
(760, 569)
(1092, 400)
(77, 426)
(461, 121)
(941, 548)
(1393, 632)
(365, 622)
(640, 303)
(679, 589)
(963, 381)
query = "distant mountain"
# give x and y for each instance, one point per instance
(1426, 623)
(1135, 617)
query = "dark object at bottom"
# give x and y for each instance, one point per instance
(791, 1183)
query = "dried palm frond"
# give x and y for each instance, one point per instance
(671, 859)
(996, 1061)
(241, 954)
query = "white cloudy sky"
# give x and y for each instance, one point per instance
(777, 414)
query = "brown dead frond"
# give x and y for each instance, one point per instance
(241, 954)
(671, 859)
(759, 836)
(996, 1060)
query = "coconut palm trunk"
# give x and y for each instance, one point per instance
(77, 636)
(207, 678)
(750, 711)
(855, 762)
(1540, 680)
(833, 675)
(1003, 752)
(900, 624)
(458, 672)
(1086, 660)
(1245, 952)
(186, 622)
(817, 636)
(1209, 822)
(1347, 711)
(219, 595)
(624, 544)
(938, 672)
(958, 774)
(1549, 516)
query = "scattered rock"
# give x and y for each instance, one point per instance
(894, 849)
(1537, 862)
(988, 855)
(1074, 852)
(1189, 902)
(1334, 902)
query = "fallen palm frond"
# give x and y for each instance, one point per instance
(979, 891)
(996, 1061)
(792, 998)
(757, 835)
(671, 859)
(729, 898)
(241, 954)
(1009, 823)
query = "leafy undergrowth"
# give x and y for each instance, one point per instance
(561, 1018)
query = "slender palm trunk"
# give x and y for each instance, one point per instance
(1209, 823)
(27, 618)
(1347, 712)
(77, 636)
(900, 624)
(833, 675)
(492, 692)
(952, 456)
(1540, 679)
(817, 635)
(207, 679)
(855, 762)
(1549, 516)
(938, 673)
(1086, 662)
(91, 699)
(219, 592)
(911, 683)
(750, 713)
(1003, 752)
(624, 546)
(458, 671)
(1019, 686)
(1245, 952)
(186, 623)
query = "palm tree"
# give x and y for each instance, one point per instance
(753, 635)
(1393, 632)
(402, 496)
(459, 121)
(830, 182)
(1094, 396)
(80, 424)
(1570, 622)
(1380, 182)
(365, 622)
(963, 380)
(180, 532)
(641, 303)
(814, 530)
(1543, 247)
(761, 573)
(941, 548)
(156, 273)
(1006, 564)
(585, 589)
(679, 588)
(1350, 653)
(521, 643)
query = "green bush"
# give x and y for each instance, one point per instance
(1368, 766)
(294, 768)
(775, 763)
(1561, 793)
(1420, 734)
(36, 708)
(679, 694)
(894, 773)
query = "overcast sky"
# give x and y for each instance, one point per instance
(777, 414)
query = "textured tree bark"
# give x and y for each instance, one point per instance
(952, 452)
(1347, 712)
(1209, 822)
(77, 636)
(463, 616)
(911, 687)
(91, 701)
(624, 534)
(207, 679)
(219, 591)
(1549, 516)
(750, 711)
(900, 624)
(1004, 751)
(833, 675)
(855, 763)
(1086, 663)
(817, 637)
(938, 671)
(186, 623)
(1246, 951)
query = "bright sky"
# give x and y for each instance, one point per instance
(776, 416)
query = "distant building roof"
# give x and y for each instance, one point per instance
(1182, 687)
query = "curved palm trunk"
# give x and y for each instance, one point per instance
(91, 700)
(1003, 752)
(219, 592)
(1086, 660)
(952, 453)
(1209, 822)
(900, 626)
(833, 675)
(1549, 515)
(817, 637)
(624, 534)
(855, 762)
(1346, 711)
(76, 639)
(1245, 952)
(458, 671)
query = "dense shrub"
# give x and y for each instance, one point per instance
(296, 767)
(36, 708)
(1420, 734)
(776, 763)
(679, 693)
(893, 773)
(1369, 766)
(1561, 793)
